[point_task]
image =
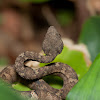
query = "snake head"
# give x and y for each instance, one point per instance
(52, 44)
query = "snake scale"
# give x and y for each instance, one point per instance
(52, 46)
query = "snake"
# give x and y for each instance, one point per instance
(32, 77)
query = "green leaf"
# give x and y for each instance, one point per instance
(7, 94)
(35, 1)
(88, 88)
(73, 58)
(90, 35)
(54, 81)
(20, 87)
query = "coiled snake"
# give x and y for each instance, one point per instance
(52, 46)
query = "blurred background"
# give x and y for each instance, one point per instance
(24, 23)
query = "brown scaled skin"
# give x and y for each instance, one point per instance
(52, 46)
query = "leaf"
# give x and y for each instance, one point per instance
(7, 94)
(90, 35)
(88, 88)
(73, 58)
(54, 81)
(20, 87)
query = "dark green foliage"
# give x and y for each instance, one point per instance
(90, 35)
(88, 88)
(6, 93)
